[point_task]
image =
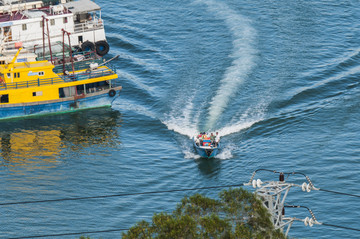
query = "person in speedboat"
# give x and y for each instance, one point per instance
(217, 139)
(212, 138)
(203, 139)
(197, 141)
(199, 138)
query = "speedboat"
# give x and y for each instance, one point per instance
(205, 148)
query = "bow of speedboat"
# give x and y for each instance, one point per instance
(208, 151)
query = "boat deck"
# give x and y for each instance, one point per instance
(30, 14)
(14, 17)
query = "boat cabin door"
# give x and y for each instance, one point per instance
(7, 34)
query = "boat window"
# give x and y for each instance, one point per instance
(2, 62)
(7, 34)
(65, 20)
(37, 93)
(97, 86)
(24, 27)
(4, 98)
(8, 75)
(17, 75)
(41, 73)
(61, 93)
(66, 91)
(80, 89)
(90, 88)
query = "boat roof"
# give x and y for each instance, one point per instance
(34, 64)
(34, 13)
(82, 6)
(79, 6)
(7, 19)
(7, 2)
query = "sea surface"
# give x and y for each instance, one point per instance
(279, 80)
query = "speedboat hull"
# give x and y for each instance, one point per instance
(206, 151)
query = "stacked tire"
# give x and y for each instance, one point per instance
(101, 47)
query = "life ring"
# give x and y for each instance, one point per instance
(102, 48)
(88, 46)
(112, 93)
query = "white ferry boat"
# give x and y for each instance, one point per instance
(39, 25)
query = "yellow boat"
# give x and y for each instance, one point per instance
(29, 88)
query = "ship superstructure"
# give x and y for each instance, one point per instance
(36, 25)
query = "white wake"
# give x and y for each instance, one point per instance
(248, 118)
(243, 56)
(183, 121)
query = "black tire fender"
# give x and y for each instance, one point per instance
(112, 93)
(102, 48)
(88, 46)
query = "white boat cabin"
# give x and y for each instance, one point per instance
(30, 24)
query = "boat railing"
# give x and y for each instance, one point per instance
(78, 65)
(61, 79)
(33, 83)
(89, 25)
(89, 75)
(10, 41)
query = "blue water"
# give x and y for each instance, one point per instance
(278, 79)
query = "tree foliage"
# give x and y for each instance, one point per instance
(236, 214)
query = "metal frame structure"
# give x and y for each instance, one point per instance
(274, 193)
(70, 51)
(47, 33)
